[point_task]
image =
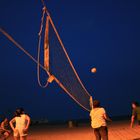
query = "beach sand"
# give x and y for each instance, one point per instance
(118, 130)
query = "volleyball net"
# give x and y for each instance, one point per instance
(57, 63)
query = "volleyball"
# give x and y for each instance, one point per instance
(93, 70)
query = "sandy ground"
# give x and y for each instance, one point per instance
(119, 130)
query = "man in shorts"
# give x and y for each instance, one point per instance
(135, 113)
(22, 122)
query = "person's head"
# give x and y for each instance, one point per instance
(96, 104)
(5, 120)
(135, 104)
(22, 110)
(18, 112)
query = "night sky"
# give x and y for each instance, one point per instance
(101, 34)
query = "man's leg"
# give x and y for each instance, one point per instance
(138, 122)
(103, 132)
(97, 134)
(23, 138)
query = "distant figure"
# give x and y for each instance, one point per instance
(98, 121)
(4, 129)
(22, 122)
(135, 113)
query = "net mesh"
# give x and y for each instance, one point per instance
(61, 67)
(58, 65)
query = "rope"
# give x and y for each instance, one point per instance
(43, 3)
(22, 49)
(38, 56)
(44, 6)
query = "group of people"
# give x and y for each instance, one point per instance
(19, 125)
(21, 121)
(99, 117)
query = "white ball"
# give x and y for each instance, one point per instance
(93, 70)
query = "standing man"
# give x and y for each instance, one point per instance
(98, 121)
(22, 122)
(135, 113)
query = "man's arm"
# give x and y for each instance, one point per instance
(132, 120)
(28, 122)
(106, 117)
(133, 117)
(11, 124)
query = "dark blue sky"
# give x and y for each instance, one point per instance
(101, 34)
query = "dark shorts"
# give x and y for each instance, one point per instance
(101, 133)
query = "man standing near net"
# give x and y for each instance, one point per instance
(135, 113)
(98, 121)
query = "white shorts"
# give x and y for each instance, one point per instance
(20, 133)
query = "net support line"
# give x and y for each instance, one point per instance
(22, 49)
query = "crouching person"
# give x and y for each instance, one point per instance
(4, 129)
